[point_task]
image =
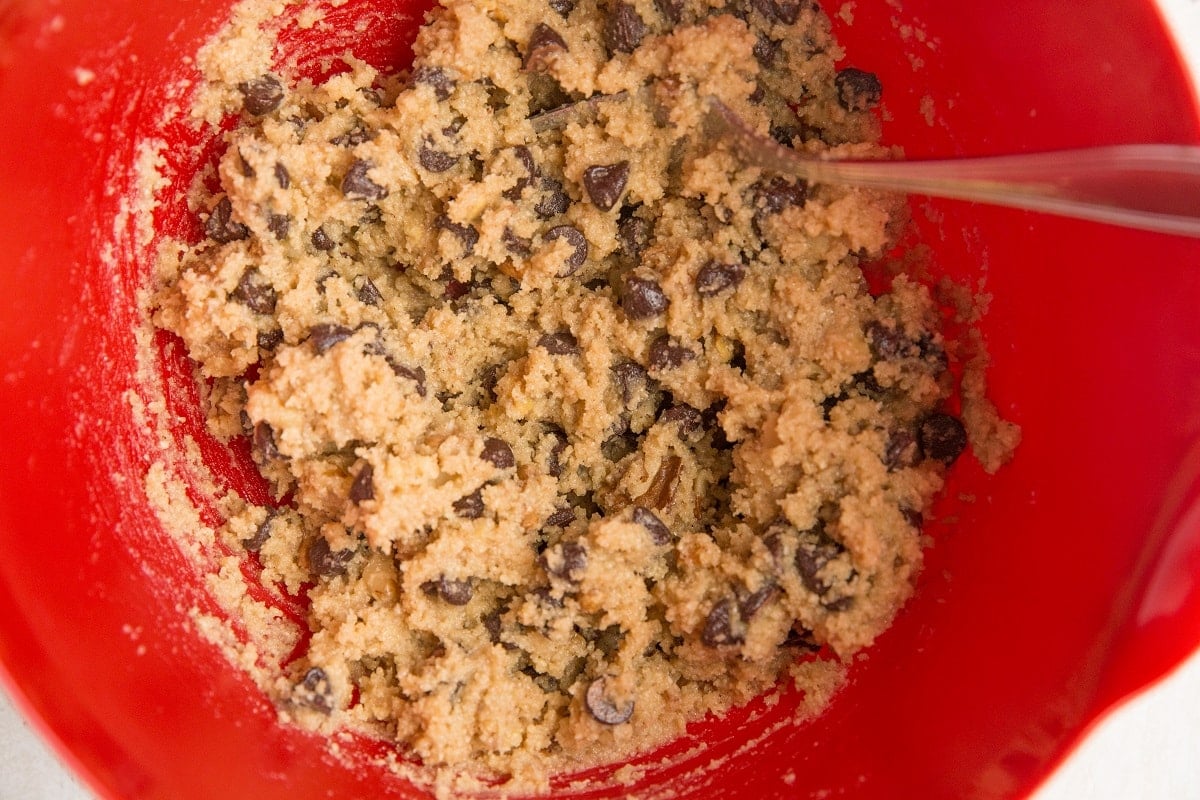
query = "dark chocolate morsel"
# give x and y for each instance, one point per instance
(605, 183)
(326, 562)
(220, 226)
(660, 534)
(471, 506)
(642, 298)
(721, 625)
(542, 43)
(363, 487)
(357, 184)
(602, 708)
(858, 90)
(261, 95)
(325, 336)
(562, 343)
(942, 437)
(498, 453)
(715, 277)
(623, 28)
(575, 238)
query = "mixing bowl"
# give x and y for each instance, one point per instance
(1053, 589)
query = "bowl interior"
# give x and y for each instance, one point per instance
(1053, 589)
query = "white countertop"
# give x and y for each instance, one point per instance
(1148, 749)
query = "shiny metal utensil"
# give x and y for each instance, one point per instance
(1149, 186)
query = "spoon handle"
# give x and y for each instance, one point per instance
(1150, 186)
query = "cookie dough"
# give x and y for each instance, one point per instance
(578, 428)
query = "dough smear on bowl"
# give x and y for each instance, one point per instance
(579, 431)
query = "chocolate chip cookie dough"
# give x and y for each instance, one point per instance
(579, 428)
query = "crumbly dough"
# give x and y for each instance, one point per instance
(579, 429)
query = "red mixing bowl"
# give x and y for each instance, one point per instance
(1068, 582)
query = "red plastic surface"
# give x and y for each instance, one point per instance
(1068, 583)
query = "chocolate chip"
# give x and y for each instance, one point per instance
(933, 353)
(357, 185)
(247, 170)
(324, 336)
(363, 487)
(858, 90)
(866, 384)
(263, 443)
(516, 245)
(913, 517)
(555, 200)
(690, 420)
(321, 241)
(602, 708)
(715, 277)
(901, 451)
(839, 605)
(326, 562)
(561, 518)
(642, 298)
(722, 625)
(785, 11)
(660, 534)
(623, 28)
(615, 448)
(435, 77)
(773, 195)
(605, 183)
(491, 624)
(802, 640)
(279, 224)
(220, 226)
(366, 291)
(575, 238)
(353, 137)
(456, 593)
(629, 376)
(434, 160)
(738, 359)
(523, 155)
(942, 437)
(315, 691)
(489, 376)
(634, 235)
(414, 374)
(749, 605)
(567, 560)
(785, 135)
(255, 292)
(471, 506)
(814, 550)
(543, 42)
(888, 343)
(562, 343)
(465, 233)
(765, 49)
(281, 176)
(668, 353)
(554, 463)
(261, 95)
(498, 453)
(672, 10)
(261, 534)
(831, 402)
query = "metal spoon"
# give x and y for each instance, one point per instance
(1150, 186)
